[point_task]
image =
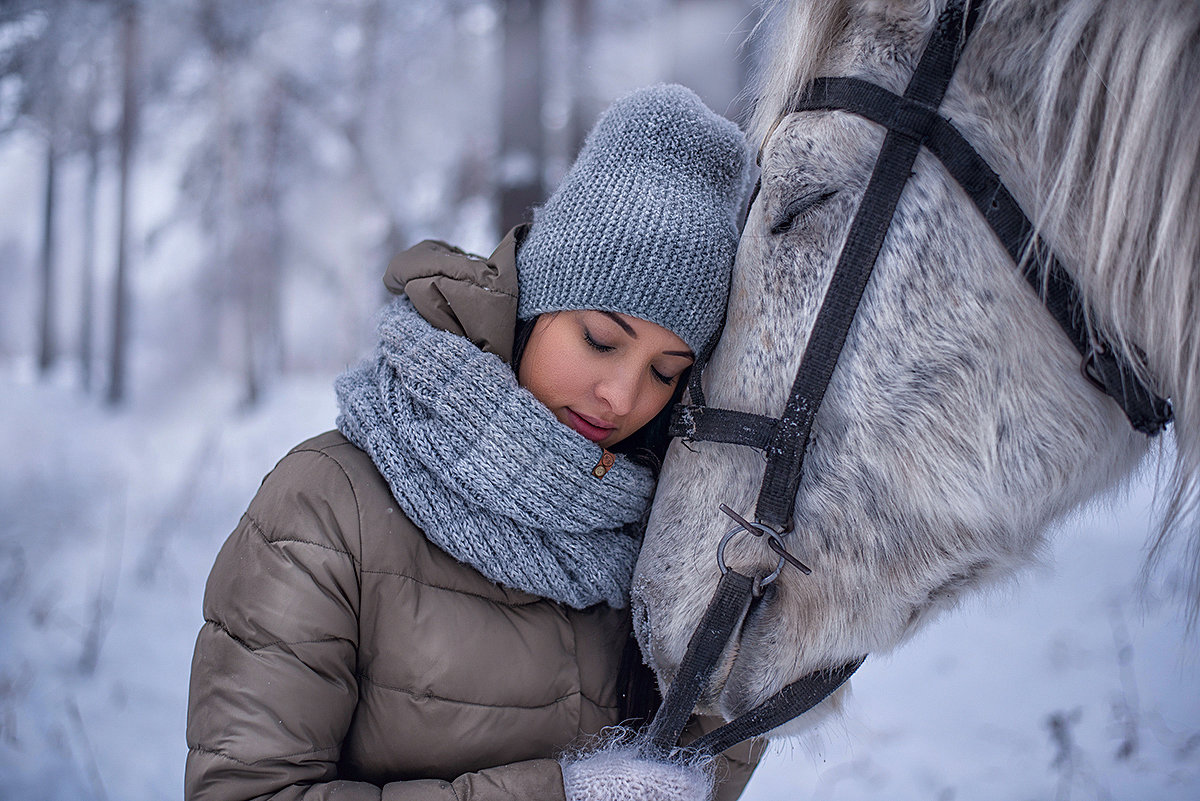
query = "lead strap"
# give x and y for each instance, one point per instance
(725, 611)
(708, 643)
(792, 701)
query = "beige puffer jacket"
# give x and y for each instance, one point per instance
(344, 656)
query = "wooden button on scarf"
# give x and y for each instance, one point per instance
(604, 465)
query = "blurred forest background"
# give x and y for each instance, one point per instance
(197, 201)
(216, 185)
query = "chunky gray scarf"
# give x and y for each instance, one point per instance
(486, 471)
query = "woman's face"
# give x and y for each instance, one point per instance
(603, 374)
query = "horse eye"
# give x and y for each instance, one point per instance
(798, 208)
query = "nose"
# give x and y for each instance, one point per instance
(619, 389)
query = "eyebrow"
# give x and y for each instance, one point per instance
(616, 318)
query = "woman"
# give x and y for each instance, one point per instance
(430, 603)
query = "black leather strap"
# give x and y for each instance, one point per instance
(706, 424)
(790, 702)
(1113, 374)
(725, 611)
(911, 121)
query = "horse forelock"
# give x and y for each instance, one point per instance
(1106, 146)
(805, 38)
(802, 35)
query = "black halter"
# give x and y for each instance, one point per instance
(912, 122)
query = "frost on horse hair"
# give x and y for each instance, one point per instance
(957, 428)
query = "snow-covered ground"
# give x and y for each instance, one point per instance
(1069, 685)
(1077, 682)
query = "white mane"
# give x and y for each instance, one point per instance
(1128, 155)
(1114, 151)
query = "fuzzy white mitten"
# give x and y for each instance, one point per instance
(620, 770)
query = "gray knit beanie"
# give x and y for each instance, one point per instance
(645, 221)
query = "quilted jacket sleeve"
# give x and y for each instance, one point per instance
(273, 685)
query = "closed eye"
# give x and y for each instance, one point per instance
(798, 208)
(594, 344)
(663, 378)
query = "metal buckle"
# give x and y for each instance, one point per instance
(773, 542)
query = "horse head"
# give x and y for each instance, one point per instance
(957, 427)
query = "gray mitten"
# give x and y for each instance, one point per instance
(618, 768)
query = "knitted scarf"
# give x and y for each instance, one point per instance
(486, 471)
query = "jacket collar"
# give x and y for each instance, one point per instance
(463, 293)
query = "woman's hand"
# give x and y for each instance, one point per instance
(619, 769)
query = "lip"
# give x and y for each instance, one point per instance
(588, 427)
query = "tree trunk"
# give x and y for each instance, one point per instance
(127, 136)
(262, 258)
(47, 345)
(566, 28)
(583, 22)
(521, 148)
(87, 300)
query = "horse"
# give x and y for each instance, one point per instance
(958, 426)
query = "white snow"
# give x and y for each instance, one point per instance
(109, 522)
(971, 707)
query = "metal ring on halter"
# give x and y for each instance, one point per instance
(758, 530)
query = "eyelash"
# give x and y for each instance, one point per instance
(587, 335)
(594, 344)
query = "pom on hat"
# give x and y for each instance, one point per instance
(645, 221)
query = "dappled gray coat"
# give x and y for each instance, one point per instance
(343, 653)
